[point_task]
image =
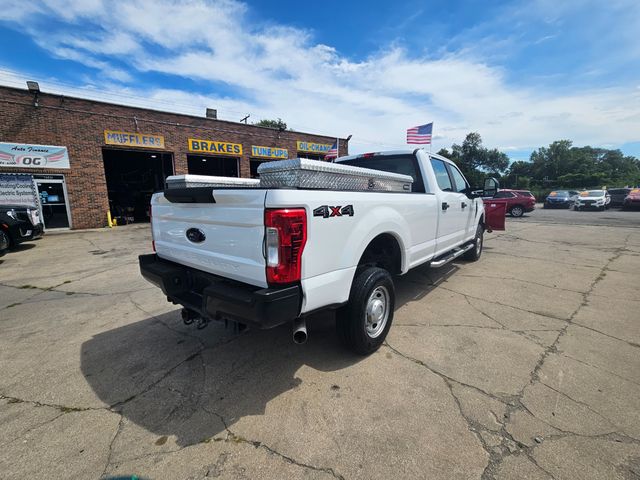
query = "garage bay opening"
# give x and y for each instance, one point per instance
(132, 177)
(210, 165)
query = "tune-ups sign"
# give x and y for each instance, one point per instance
(21, 155)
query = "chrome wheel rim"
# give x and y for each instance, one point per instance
(479, 244)
(516, 211)
(377, 312)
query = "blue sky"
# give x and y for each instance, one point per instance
(521, 73)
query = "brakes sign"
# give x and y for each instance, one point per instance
(33, 156)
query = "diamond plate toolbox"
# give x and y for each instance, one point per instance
(192, 181)
(314, 174)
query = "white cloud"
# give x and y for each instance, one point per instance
(279, 71)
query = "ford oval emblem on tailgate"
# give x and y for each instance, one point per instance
(195, 235)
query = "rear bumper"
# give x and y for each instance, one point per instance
(215, 297)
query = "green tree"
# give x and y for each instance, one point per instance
(278, 124)
(476, 161)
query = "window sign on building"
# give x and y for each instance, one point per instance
(17, 189)
(22, 155)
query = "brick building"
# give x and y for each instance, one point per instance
(113, 156)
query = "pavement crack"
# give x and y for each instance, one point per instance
(110, 452)
(232, 437)
(35, 403)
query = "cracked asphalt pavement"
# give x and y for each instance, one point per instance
(524, 365)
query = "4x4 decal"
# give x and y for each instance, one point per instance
(326, 211)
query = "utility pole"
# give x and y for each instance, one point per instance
(245, 119)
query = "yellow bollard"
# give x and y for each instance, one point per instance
(111, 221)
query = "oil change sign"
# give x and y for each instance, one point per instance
(313, 147)
(131, 139)
(17, 189)
(211, 146)
(22, 155)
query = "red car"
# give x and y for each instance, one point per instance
(517, 201)
(632, 200)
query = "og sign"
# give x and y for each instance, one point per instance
(21, 155)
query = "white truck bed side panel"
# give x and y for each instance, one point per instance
(335, 244)
(234, 230)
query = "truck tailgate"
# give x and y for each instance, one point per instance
(226, 237)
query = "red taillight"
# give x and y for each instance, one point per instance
(286, 235)
(368, 155)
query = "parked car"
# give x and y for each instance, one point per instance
(592, 199)
(632, 200)
(323, 236)
(618, 195)
(560, 199)
(517, 201)
(19, 224)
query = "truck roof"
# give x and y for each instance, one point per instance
(392, 152)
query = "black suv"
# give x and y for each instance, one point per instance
(18, 224)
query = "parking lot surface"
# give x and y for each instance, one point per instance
(524, 365)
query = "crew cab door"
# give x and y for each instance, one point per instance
(494, 215)
(494, 210)
(453, 209)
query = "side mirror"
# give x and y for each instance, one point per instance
(491, 186)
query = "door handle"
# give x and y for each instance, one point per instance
(464, 205)
(445, 205)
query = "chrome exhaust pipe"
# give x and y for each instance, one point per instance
(299, 331)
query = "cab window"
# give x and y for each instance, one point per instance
(442, 176)
(461, 184)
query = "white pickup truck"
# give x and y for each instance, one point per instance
(266, 256)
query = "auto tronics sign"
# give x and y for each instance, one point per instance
(211, 146)
(313, 147)
(269, 152)
(132, 139)
(22, 155)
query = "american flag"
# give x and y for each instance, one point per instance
(420, 134)
(332, 152)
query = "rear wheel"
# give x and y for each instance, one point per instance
(474, 254)
(364, 322)
(517, 211)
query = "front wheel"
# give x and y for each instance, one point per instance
(474, 254)
(517, 211)
(364, 322)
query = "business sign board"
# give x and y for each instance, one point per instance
(23, 155)
(18, 189)
(269, 152)
(313, 147)
(132, 139)
(211, 146)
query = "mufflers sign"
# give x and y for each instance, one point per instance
(22, 155)
(131, 139)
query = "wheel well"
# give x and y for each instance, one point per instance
(384, 252)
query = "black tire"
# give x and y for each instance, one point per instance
(4, 240)
(473, 255)
(351, 320)
(516, 211)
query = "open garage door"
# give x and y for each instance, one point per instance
(210, 165)
(132, 177)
